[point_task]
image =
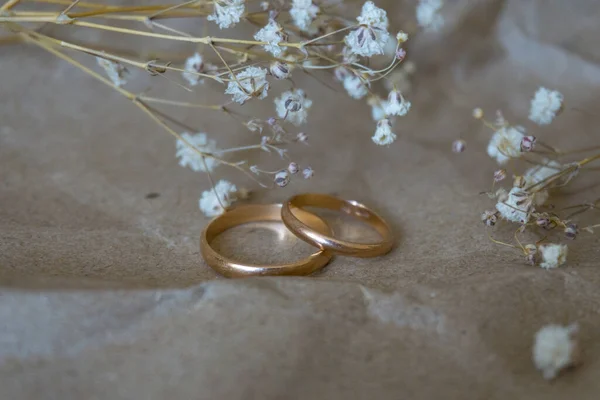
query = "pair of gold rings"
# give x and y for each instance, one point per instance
(305, 225)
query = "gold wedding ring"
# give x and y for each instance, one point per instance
(292, 214)
(254, 213)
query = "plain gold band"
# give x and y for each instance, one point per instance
(292, 208)
(254, 213)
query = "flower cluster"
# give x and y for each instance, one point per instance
(277, 38)
(528, 202)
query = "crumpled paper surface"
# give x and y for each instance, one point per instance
(105, 295)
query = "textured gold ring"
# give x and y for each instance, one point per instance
(254, 213)
(292, 210)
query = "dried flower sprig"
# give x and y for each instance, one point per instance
(526, 203)
(294, 35)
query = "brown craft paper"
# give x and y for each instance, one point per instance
(105, 295)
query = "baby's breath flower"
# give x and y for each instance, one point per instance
(532, 256)
(302, 137)
(499, 175)
(396, 104)
(489, 218)
(571, 231)
(516, 206)
(227, 12)
(303, 13)
(458, 146)
(252, 83)
(280, 70)
(402, 37)
(190, 158)
(308, 173)
(341, 73)
(272, 34)
(372, 35)
(293, 168)
(209, 203)
(354, 85)
(528, 143)
(555, 348)
(428, 14)
(193, 65)
(383, 135)
(115, 71)
(477, 113)
(506, 144)
(553, 255)
(545, 105)
(282, 178)
(295, 105)
(545, 222)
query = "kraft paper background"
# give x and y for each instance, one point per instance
(104, 294)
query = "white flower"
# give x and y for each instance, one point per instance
(282, 178)
(192, 65)
(272, 34)
(545, 105)
(428, 14)
(396, 104)
(290, 101)
(303, 13)
(377, 107)
(115, 71)
(308, 173)
(209, 203)
(189, 158)
(355, 86)
(227, 12)
(553, 255)
(506, 144)
(372, 35)
(402, 36)
(383, 135)
(516, 206)
(555, 348)
(253, 82)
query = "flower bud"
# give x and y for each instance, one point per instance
(400, 54)
(528, 143)
(340, 73)
(402, 36)
(282, 178)
(533, 256)
(302, 137)
(280, 70)
(458, 146)
(293, 168)
(499, 175)
(571, 231)
(478, 113)
(307, 173)
(489, 218)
